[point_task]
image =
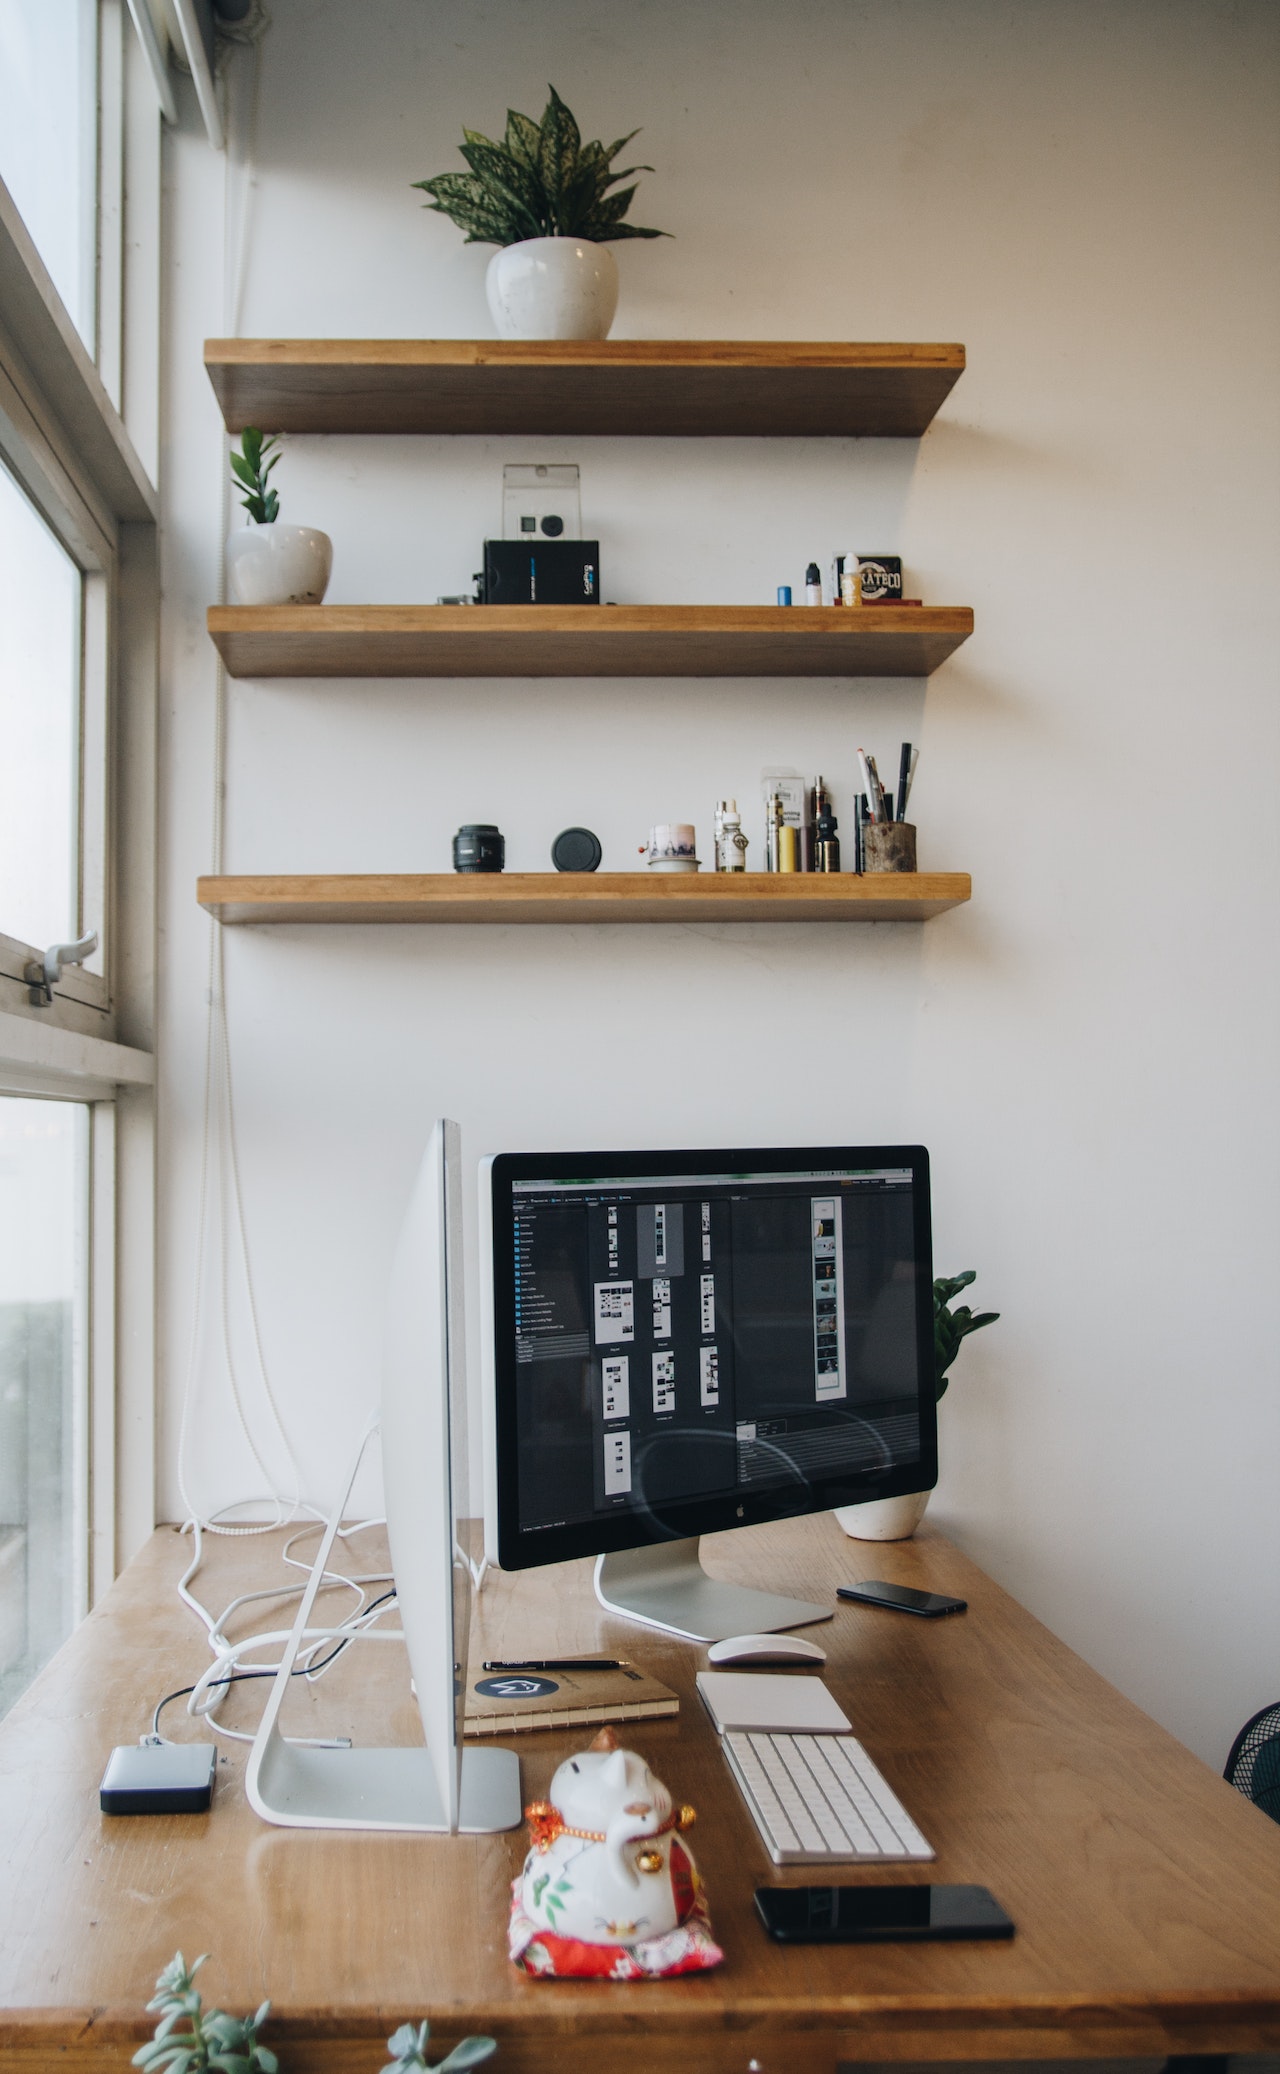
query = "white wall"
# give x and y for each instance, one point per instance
(1085, 196)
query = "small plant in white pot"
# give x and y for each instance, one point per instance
(543, 196)
(896, 1519)
(267, 563)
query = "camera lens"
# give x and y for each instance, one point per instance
(552, 526)
(479, 847)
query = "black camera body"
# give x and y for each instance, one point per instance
(541, 572)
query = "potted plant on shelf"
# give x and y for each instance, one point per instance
(267, 563)
(896, 1519)
(543, 196)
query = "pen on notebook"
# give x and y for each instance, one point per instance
(561, 1663)
(904, 779)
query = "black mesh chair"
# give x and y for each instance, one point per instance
(1253, 1767)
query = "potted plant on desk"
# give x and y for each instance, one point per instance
(542, 195)
(896, 1519)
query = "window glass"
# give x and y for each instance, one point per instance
(40, 647)
(49, 139)
(44, 1196)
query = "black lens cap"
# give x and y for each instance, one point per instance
(576, 849)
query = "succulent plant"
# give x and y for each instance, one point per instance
(950, 1327)
(215, 2043)
(408, 2049)
(213, 2040)
(542, 181)
(251, 467)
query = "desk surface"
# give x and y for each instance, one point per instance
(1146, 1892)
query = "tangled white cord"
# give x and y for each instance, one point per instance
(234, 1660)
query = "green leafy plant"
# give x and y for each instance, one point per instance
(408, 2049)
(228, 2044)
(542, 181)
(950, 1327)
(251, 467)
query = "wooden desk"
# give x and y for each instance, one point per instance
(1146, 1892)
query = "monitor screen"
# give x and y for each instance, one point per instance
(688, 1341)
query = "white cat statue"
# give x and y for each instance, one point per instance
(606, 1865)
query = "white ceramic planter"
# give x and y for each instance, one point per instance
(552, 288)
(884, 1519)
(278, 565)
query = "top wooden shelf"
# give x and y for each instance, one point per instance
(640, 387)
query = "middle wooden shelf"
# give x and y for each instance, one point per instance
(586, 640)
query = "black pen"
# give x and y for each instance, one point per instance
(561, 1663)
(904, 774)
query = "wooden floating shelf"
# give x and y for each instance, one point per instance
(635, 387)
(614, 896)
(586, 640)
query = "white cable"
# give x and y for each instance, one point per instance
(221, 1171)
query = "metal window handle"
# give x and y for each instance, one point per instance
(42, 974)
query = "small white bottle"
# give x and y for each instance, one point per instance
(813, 585)
(731, 843)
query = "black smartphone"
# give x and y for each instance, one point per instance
(902, 1598)
(860, 1915)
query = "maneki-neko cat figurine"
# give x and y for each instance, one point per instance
(608, 1864)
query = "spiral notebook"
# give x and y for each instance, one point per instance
(508, 1703)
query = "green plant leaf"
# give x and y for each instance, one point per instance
(523, 139)
(557, 156)
(951, 1327)
(404, 2042)
(631, 230)
(621, 145)
(465, 200)
(468, 2053)
(612, 208)
(504, 177)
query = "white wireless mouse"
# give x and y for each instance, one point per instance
(765, 1649)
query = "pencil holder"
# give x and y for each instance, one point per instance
(889, 846)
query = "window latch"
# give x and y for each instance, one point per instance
(42, 974)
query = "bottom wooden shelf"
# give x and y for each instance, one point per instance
(615, 896)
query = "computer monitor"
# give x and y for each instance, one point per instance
(680, 1342)
(437, 1785)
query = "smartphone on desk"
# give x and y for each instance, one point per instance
(865, 1915)
(901, 1598)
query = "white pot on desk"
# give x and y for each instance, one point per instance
(884, 1519)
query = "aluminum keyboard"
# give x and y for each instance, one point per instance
(819, 1800)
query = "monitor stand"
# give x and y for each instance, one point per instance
(665, 1586)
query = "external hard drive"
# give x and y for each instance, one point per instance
(158, 1779)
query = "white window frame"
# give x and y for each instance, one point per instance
(80, 438)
